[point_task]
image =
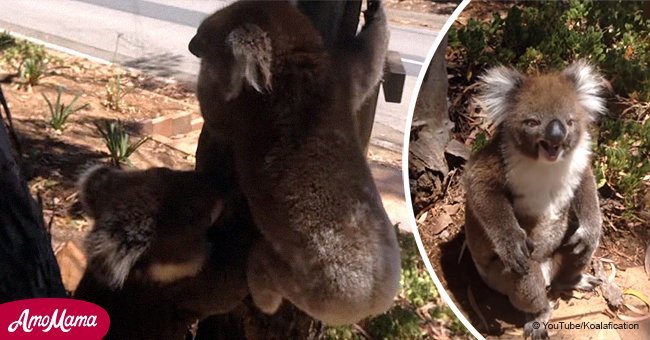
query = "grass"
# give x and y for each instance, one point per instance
(59, 111)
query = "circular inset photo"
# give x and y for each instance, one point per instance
(529, 168)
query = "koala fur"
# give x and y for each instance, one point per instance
(149, 263)
(141, 218)
(532, 214)
(276, 105)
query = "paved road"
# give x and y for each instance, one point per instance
(152, 35)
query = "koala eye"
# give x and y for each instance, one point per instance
(570, 122)
(532, 122)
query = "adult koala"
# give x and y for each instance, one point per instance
(279, 117)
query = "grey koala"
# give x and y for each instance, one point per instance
(141, 219)
(532, 215)
(277, 106)
(150, 265)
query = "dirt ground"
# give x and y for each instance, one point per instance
(53, 160)
(439, 207)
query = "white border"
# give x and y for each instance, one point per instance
(405, 161)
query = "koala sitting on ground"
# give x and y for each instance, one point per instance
(275, 104)
(532, 215)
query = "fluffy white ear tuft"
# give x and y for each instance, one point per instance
(499, 85)
(251, 48)
(589, 86)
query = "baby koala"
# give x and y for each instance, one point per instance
(151, 223)
(532, 215)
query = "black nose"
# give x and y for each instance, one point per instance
(195, 47)
(555, 132)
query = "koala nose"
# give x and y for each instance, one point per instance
(195, 47)
(555, 132)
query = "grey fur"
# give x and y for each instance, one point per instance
(135, 224)
(327, 245)
(532, 215)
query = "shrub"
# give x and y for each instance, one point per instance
(115, 92)
(29, 60)
(623, 155)
(117, 141)
(545, 35)
(59, 112)
(6, 40)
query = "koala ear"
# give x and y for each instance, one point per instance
(251, 49)
(499, 86)
(115, 245)
(93, 182)
(589, 87)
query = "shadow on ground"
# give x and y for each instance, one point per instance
(161, 64)
(463, 277)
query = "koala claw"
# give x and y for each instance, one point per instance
(535, 330)
(588, 283)
(517, 258)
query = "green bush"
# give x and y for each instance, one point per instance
(623, 157)
(536, 36)
(6, 40)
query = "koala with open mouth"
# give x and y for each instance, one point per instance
(532, 214)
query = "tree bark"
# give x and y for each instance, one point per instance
(431, 129)
(26, 258)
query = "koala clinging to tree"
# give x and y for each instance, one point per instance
(150, 264)
(275, 103)
(152, 222)
(532, 215)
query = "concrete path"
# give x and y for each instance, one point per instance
(152, 35)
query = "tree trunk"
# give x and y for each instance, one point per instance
(26, 259)
(431, 128)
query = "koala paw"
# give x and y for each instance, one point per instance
(516, 253)
(535, 330)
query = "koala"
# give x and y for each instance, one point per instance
(151, 264)
(142, 219)
(532, 215)
(279, 109)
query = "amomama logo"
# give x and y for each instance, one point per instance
(52, 318)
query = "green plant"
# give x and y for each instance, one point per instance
(542, 35)
(623, 155)
(115, 92)
(59, 112)
(117, 141)
(29, 60)
(6, 40)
